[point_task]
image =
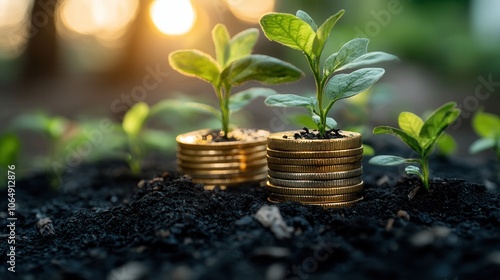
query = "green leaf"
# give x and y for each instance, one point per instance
(317, 120)
(486, 125)
(204, 108)
(446, 144)
(324, 31)
(220, 37)
(347, 53)
(369, 59)
(482, 145)
(368, 150)
(346, 85)
(165, 106)
(405, 137)
(289, 30)
(302, 120)
(410, 123)
(331, 123)
(9, 152)
(290, 100)
(435, 125)
(159, 140)
(262, 68)
(414, 170)
(305, 17)
(389, 160)
(56, 126)
(241, 45)
(135, 118)
(194, 63)
(242, 98)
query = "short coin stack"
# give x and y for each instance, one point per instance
(222, 163)
(324, 172)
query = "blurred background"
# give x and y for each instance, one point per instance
(83, 62)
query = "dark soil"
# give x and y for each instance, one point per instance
(107, 225)
(314, 134)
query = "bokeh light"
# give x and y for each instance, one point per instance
(104, 19)
(173, 17)
(13, 27)
(250, 11)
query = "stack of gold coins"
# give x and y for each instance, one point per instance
(223, 163)
(326, 172)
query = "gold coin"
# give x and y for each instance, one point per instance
(232, 181)
(276, 141)
(224, 174)
(228, 152)
(221, 159)
(315, 184)
(329, 204)
(212, 166)
(315, 191)
(314, 161)
(215, 172)
(314, 168)
(315, 154)
(316, 176)
(314, 198)
(246, 138)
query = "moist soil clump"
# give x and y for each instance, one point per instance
(314, 134)
(110, 225)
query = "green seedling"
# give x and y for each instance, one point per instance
(300, 32)
(9, 154)
(234, 65)
(487, 126)
(421, 136)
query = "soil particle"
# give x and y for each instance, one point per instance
(314, 134)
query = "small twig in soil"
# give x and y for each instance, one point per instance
(413, 192)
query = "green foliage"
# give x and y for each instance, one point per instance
(421, 136)
(8, 154)
(234, 65)
(487, 127)
(300, 32)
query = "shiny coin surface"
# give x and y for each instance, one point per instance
(221, 159)
(314, 198)
(315, 184)
(314, 161)
(227, 152)
(316, 176)
(202, 140)
(211, 166)
(329, 204)
(315, 154)
(277, 142)
(314, 168)
(314, 191)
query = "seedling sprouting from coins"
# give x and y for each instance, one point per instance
(420, 136)
(300, 32)
(234, 65)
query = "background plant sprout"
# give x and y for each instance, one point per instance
(487, 127)
(234, 65)
(300, 32)
(420, 136)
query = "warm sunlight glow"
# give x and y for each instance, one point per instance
(173, 17)
(13, 26)
(105, 19)
(250, 11)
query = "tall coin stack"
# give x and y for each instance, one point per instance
(222, 163)
(325, 172)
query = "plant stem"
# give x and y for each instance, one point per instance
(223, 95)
(314, 64)
(425, 172)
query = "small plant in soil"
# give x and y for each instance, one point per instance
(421, 136)
(300, 32)
(233, 65)
(9, 153)
(486, 126)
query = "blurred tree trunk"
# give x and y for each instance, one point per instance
(41, 56)
(130, 67)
